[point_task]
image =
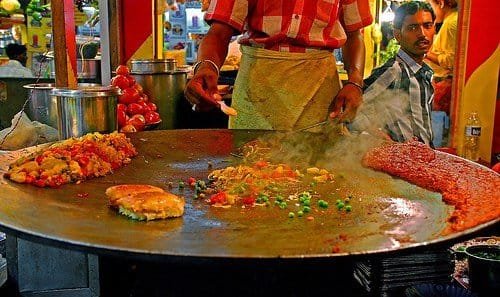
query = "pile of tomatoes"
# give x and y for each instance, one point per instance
(134, 110)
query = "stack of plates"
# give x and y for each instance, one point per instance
(389, 276)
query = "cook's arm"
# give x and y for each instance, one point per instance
(350, 96)
(201, 89)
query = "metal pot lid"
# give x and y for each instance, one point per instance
(87, 91)
(151, 66)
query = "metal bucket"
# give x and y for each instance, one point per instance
(153, 66)
(87, 109)
(85, 68)
(42, 106)
(164, 84)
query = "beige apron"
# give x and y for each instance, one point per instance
(283, 91)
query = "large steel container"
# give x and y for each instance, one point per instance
(86, 109)
(42, 106)
(164, 84)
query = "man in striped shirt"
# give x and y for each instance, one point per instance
(398, 95)
(287, 77)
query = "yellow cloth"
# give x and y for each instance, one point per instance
(444, 46)
(283, 91)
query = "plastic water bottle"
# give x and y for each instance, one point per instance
(472, 134)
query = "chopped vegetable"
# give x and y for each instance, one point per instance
(291, 215)
(323, 204)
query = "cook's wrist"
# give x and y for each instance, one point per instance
(202, 64)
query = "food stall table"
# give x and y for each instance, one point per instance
(76, 218)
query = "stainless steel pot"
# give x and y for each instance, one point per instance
(87, 109)
(153, 66)
(164, 84)
(42, 106)
(86, 68)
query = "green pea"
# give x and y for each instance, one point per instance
(323, 204)
(306, 209)
(181, 185)
(338, 201)
(307, 202)
(201, 184)
(279, 198)
(291, 215)
(300, 213)
(283, 205)
(348, 208)
(340, 205)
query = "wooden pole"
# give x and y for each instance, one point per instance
(63, 28)
(115, 28)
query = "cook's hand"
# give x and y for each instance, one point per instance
(201, 90)
(346, 103)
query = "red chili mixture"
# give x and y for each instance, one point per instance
(73, 160)
(471, 189)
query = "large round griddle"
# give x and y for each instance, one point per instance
(388, 214)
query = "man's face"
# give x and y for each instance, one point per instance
(23, 58)
(416, 34)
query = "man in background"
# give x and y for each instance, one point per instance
(441, 56)
(16, 66)
(398, 95)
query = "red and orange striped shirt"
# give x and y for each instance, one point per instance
(292, 25)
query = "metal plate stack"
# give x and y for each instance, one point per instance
(389, 276)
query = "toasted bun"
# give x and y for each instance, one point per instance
(144, 202)
(120, 191)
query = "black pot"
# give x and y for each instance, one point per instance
(484, 269)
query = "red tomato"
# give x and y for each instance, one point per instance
(144, 106)
(249, 200)
(121, 116)
(40, 183)
(139, 88)
(122, 70)
(220, 198)
(191, 181)
(138, 121)
(135, 108)
(260, 164)
(121, 106)
(152, 117)
(496, 167)
(120, 81)
(129, 95)
(152, 106)
(128, 129)
(131, 81)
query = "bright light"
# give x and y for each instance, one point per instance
(387, 16)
